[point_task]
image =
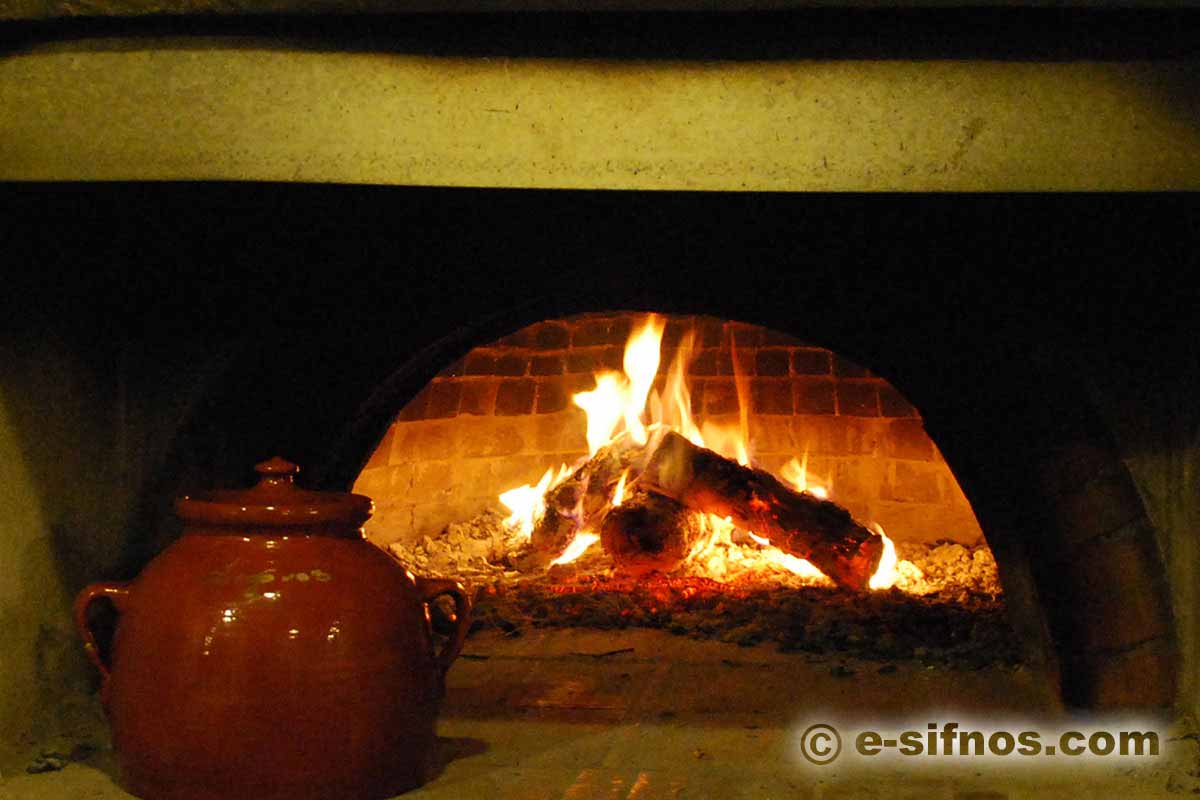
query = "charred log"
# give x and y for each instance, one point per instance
(649, 532)
(584, 497)
(796, 522)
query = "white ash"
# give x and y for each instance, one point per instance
(484, 550)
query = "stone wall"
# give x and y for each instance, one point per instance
(502, 415)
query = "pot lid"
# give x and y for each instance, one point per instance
(276, 502)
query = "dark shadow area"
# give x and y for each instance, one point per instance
(448, 749)
(1045, 34)
(298, 319)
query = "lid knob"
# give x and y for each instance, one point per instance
(276, 471)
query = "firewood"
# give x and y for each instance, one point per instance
(798, 523)
(648, 532)
(583, 498)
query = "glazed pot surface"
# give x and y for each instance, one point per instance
(273, 663)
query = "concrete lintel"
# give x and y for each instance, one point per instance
(183, 109)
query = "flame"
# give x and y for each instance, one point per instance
(621, 398)
(796, 473)
(618, 495)
(675, 408)
(797, 566)
(619, 404)
(605, 408)
(886, 573)
(576, 548)
(528, 503)
(641, 365)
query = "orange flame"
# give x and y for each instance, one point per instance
(578, 546)
(796, 473)
(619, 404)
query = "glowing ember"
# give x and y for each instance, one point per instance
(578, 546)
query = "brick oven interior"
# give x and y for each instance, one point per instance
(998, 369)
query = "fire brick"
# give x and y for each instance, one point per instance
(480, 364)
(912, 482)
(705, 363)
(511, 365)
(711, 332)
(845, 368)
(547, 365)
(620, 329)
(675, 330)
(771, 396)
(612, 358)
(493, 438)
(906, 438)
(515, 397)
(443, 399)
(745, 335)
(771, 362)
(478, 398)
(893, 404)
(811, 362)
(592, 333)
(551, 336)
(858, 398)
(814, 396)
(583, 361)
(720, 397)
(414, 409)
(551, 396)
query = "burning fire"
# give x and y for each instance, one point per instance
(626, 404)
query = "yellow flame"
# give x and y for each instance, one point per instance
(619, 402)
(618, 496)
(528, 503)
(641, 365)
(605, 406)
(618, 398)
(576, 548)
(797, 566)
(886, 573)
(796, 473)
(675, 410)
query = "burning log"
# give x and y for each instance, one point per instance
(649, 532)
(585, 495)
(798, 523)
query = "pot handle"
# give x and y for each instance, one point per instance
(431, 588)
(118, 594)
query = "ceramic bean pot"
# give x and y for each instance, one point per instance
(272, 652)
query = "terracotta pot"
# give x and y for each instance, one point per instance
(272, 652)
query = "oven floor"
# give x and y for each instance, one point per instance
(640, 715)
